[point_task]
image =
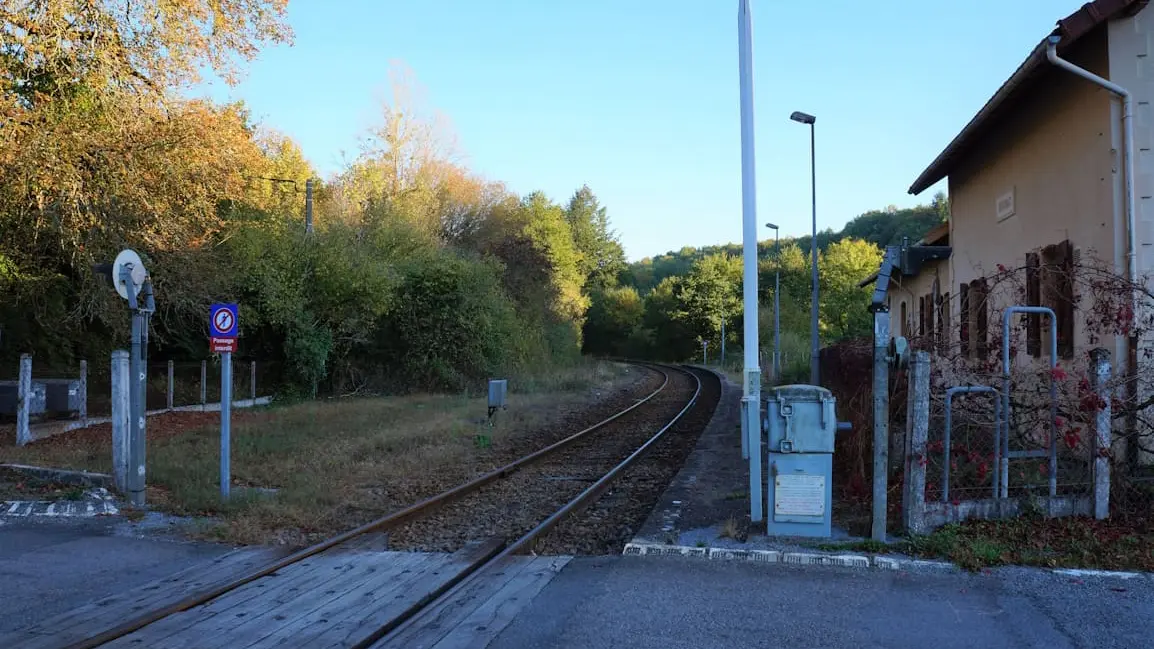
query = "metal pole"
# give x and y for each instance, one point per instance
(137, 411)
(722, 341)
(252, 381)
(777, 308)
(751, 381)
(24, 401)
(121, 418)
(171, 380)
(203, 383)
(225, 417)
(814, 377)
(309, 206)
(881, 399)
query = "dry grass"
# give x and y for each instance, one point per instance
(341, 463)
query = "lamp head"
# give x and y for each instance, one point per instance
(802, 118)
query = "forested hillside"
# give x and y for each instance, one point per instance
(668, 305)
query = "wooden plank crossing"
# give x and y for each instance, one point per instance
(475, 615)
(333, 599)
(84, 622)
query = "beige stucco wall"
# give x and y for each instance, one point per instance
(1054, 153)
(907, 290)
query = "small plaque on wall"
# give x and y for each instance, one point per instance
(1005, 205)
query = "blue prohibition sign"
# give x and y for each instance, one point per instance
(222, 320)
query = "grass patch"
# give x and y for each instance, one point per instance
(334, 464)
(1074, 542)
(15, 485)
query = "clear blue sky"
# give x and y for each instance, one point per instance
(639, 98)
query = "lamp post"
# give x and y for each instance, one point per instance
(805, 118)
(776, 363)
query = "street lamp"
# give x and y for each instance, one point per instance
(776, 303)
(805, 118)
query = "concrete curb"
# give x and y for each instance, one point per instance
(842, 560)
(64, 476)
(777, 556)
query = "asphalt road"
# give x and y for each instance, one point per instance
(668, 603)
(50, 567)
(47, 568)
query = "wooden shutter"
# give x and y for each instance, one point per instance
(1033, 298)
(981, 326)
(1064, 298)
(964, 318)
(944, 324)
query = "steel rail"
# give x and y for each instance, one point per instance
(463, 578)
(386, 522)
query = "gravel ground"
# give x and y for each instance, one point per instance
(511, 507)
(611, 522)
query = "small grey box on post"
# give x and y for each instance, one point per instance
(121, 418)
(497, 391)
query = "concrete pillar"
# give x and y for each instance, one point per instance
(121, 417)
(1103, 431)
(917, 432)
(84, 393)
(24, 401)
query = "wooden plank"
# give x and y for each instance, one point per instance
(90, 619)
(488, 620)
(428, 627)
(350, 603)
(386, 609)
(192, 627)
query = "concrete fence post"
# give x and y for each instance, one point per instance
(24, 401)
(84, 393)
(203, 383)
(252, 381)
(917, 432)
(1103, 431)
(171, 381)
(121, 418)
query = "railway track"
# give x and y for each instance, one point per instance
(524, 501)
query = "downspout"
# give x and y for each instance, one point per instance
(1128, 168)
(1127, 147)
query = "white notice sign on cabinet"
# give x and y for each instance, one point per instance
(799, 495)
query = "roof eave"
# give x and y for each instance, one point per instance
(938, 168)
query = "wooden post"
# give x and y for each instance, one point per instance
(1103, 431)
(24, 401)
(84, 393)
(917, 431)
(121, 418)
(171, 373)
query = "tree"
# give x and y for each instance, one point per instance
(602, 257)
(614, 318)
(844, 308)
(710, 295)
